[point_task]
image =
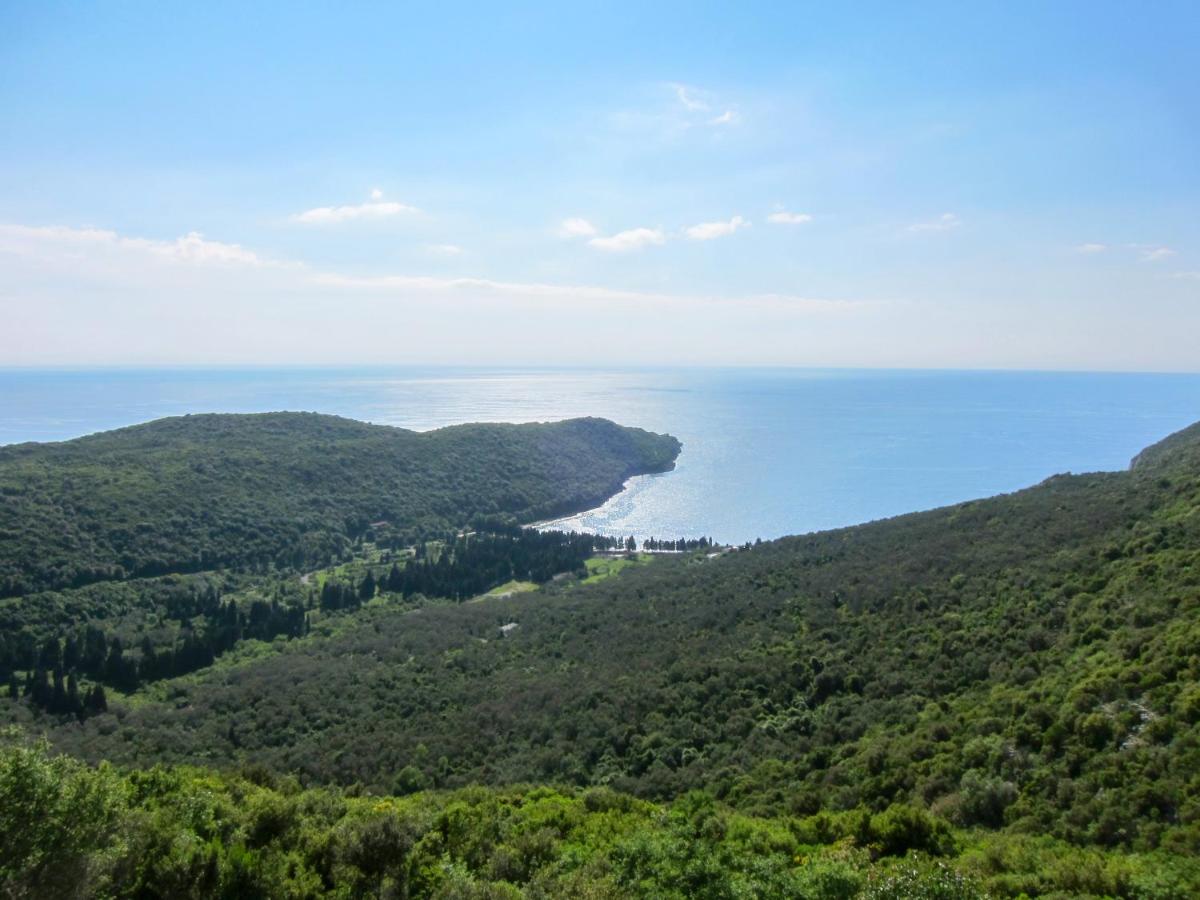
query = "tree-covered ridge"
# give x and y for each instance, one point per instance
(1006, 686)
(287, 489)
(1026, 662)
(1179, 449)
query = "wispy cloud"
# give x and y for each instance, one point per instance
(1147, 253)
(1153, 254)
(91, 295)
(560, 292)
(89, 250)
(192, 248)
(375, 208)
(706, 231)
(442, 249)
(944, 222)
(1186, 276)
(782, 217)
(689, 98)
(697, 107)
(576, 227)
(633, 239)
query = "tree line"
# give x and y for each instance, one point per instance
(210, 628)
(467, 565)
(680, 545)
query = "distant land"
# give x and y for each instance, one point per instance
(770, 452)
(201, 492)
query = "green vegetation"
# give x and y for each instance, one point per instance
(509, 588)
(288, 490)
(601, 567)
(999, 696)
(180, 624)
(69, 830)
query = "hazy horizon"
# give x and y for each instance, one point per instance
(235, 367)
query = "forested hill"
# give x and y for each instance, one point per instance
(1027, 661)
(294, 489)
(1181, 449)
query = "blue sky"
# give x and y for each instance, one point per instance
(958, 185)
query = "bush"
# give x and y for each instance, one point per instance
(57, 818)
(920, 879)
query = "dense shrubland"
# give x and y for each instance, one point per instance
(1007, 687)
(52, 642)
(1025, 662)
(68, 830)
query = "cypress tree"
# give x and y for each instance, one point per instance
(366, 590)
(58, 699)
(97, 700)
(71, 654)
(41, 692)
(74, 704)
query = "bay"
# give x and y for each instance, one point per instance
(766, 452)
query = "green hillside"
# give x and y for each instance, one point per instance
(1010, 686)
(287, 490)
(1028, 659)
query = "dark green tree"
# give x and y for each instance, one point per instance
(366, 589)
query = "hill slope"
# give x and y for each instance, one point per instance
(1028, 661)
(290, 489)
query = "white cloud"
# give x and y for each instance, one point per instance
(194, 248)
(90, 296)
(633, 239)
(55, 241)
(676, 112)
(944, 222)
(443, 249)
(687, 97)
(375, 208)
(697, 107)
(1156, 254)
(577, 292)
(788, 218)
(91, 253)
(1091, 249)
(576, 227)
(706, 231)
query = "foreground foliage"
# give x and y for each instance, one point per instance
(67, 830)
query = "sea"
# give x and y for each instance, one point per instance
(766, 452)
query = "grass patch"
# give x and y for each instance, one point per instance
(601, 567)
(508, 588)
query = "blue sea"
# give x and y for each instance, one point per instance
(765, 452)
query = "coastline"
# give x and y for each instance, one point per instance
(557, 522)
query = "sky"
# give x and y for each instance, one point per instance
(930, 185)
